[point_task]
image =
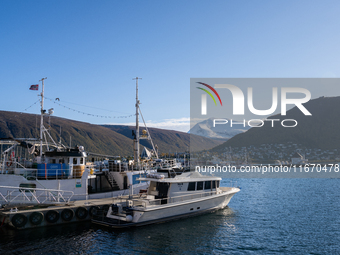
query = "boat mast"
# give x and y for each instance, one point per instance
(136, 149)
(42, 115)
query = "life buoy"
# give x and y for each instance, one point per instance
(36, 218)
(67, 214)
(81, 213)
(9, 163)
(93, 211)
(19, 220)
(52, 216)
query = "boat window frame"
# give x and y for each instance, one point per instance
(194, 188)
(207, 183)
(198, 186)
(163, 189)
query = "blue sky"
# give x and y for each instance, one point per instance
(90, 51)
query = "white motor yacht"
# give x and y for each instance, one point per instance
(169, 196)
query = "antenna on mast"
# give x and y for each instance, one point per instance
(136, 140)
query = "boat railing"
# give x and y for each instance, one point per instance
(126, 167)
(14, 167)
(185, 197)
(42, 171)
(22, 195)
(141, 200)
(144, 202)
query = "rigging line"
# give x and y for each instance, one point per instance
(86, 106)
(153, 147)
(32, 105)
(89, 114)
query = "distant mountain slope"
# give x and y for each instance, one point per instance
(321, 130)
(95, 138)
(168, 140)
(206, 128)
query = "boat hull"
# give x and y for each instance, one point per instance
(174, 211)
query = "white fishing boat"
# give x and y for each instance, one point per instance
(168, 197)
(60, 174)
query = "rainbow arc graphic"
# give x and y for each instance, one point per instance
(209, 93)
(204, 97)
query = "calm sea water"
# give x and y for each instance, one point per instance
(268, 216)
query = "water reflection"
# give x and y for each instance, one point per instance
(186, 235)
(291, 216)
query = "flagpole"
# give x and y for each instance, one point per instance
(42, 116)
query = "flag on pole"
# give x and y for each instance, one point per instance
(34, 87)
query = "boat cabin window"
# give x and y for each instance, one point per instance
(207, 185)
(53, 161)
(61, 161)
(81, 161)
(199, 185)
(74, 161)
(191, 186)
(162, 188)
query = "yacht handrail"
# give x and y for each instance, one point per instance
(182, 198)
(142, 200)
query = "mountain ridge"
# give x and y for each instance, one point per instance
(95, 138)
(205, 128)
